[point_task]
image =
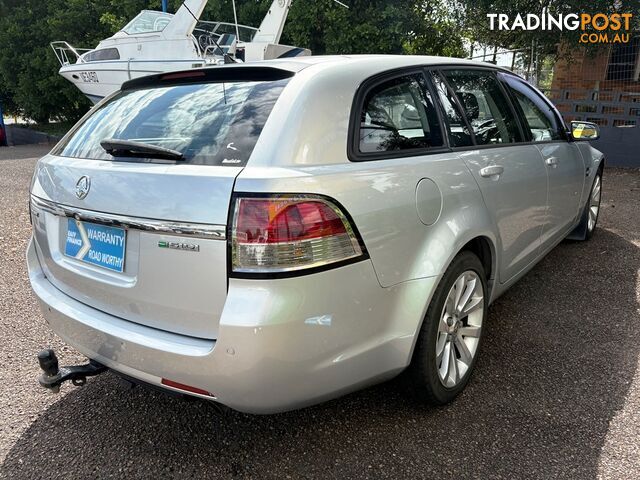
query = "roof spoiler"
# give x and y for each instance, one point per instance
(237, 73)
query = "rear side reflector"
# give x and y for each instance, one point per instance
(186, 388)
(280, 234)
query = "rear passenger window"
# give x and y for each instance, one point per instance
(399, 114)
(540, 119)
(485, 106)
(456, 127)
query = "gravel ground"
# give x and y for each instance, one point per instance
(556, 393)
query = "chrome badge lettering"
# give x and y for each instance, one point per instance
(189, 247)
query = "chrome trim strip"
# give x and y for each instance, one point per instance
(168, 227)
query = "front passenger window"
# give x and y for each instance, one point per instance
(399, 114)
(486, 107)
(538, 114)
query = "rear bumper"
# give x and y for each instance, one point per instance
(282, 344)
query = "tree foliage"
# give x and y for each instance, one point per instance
(473, 15)
(29, 80)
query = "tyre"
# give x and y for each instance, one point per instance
(592, 208)
(449, 339)
(589, 218)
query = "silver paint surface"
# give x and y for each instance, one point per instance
(271, 345)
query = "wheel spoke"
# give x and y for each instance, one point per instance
(443, 369)
(470, 331)
(465, 354)
(442, 341)
(449, 306)
(473, 305)
(459, 288)
(442, 326)
(453, 367)
(469, 288)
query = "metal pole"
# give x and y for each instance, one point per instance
(165, 5)
(235, 18)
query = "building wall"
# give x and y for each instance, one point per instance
(591, 86)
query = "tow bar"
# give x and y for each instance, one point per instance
(52, 376)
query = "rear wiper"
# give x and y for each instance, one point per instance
(127, 148)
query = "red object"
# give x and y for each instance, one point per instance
(3, 136)
(281, 220)
(186, 388)
(173, 76)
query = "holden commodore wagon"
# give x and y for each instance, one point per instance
(273, 235)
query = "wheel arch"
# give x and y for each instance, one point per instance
(484, 246)
(485, 250)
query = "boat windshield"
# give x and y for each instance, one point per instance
(220, 28)
(148, 21)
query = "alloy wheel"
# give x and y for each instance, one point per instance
(459, 328)
(594, 203)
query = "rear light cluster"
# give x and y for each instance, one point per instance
(282, 234)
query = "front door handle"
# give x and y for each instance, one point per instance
(551, 161)
(491, 171)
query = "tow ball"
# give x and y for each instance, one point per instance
(53, 376)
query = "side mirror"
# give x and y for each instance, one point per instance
(585, 131)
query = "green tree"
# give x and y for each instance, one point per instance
(29, 83)
(472, 14)
(29, 80)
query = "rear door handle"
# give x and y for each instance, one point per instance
(491, 171)
(551, 161)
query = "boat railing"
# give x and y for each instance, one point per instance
(219, 28)
(66, 54)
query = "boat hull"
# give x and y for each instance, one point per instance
(97, 80)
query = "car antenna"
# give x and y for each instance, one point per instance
(226, 56)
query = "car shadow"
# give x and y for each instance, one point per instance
(559, 355)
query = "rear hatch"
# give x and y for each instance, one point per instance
(138, 233)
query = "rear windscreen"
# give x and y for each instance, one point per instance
(210, 123)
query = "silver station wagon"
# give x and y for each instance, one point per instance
(272, 235)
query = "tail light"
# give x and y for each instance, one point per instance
(281, 234)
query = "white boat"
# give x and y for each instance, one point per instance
(155, 42)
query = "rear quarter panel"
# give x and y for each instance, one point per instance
(303, 149)
(381, 198)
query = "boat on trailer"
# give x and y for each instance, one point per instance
(155, 42)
